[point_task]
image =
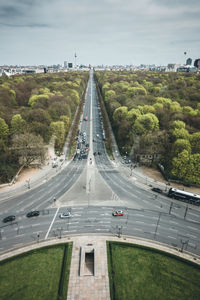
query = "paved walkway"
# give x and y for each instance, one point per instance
(84, 285)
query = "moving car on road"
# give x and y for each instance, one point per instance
(9, 219)
(157, 190)
(34, 213)
(65, 215)
(118, 213)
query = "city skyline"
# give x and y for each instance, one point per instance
(108, 32)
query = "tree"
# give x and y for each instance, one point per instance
(180, 145)
(120, 114)
(133, 114)
(4, 131)
(177, 124)
(35, 98)
(175, 107)
(29, 147)
(110, 94)
(146, 123)
(58, 129)
(180, 165)
(66, 121)
(17, 124)
(194, 169)
(195, 142)
(165, 101)
(181, 133)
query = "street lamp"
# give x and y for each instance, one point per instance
(183, 243)
(28, 183)
(38, 237)
(186, 209)
(157, 225)
(119, 230)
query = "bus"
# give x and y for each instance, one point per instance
(184, 196)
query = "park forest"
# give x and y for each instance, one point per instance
(155, 117)
(33, 110)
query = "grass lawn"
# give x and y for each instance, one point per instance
(145, 274)
(39, 274)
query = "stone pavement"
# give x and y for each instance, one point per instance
(89, 284)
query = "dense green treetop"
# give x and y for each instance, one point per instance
(141, 104)
(30, 104)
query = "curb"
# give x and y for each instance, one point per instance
(126, 239)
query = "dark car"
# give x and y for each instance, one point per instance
(34, 213)
(9, 219)
(157, 190)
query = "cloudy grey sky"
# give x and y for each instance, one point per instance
(99, 31)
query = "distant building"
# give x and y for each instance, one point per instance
(70, 65)
(197, 63)
(189, 62)
(188, 69)
(65, 64)
(172, 67)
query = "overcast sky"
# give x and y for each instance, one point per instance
(99, 31)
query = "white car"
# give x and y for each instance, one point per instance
(65, 215)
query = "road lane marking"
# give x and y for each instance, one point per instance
(193, 214)
(139, 222)
(33, 225)
(192, 235)
(46, 236)
(193, 228)
(173, 229)
(171, 237)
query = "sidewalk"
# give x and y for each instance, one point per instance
(85, 285)
(33, 177)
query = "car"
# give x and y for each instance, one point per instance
(157, 190)
(127, 161)
(34, 213)
(65, 215)
(118, 213)
(9, 219)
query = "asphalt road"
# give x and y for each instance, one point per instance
(92, 189)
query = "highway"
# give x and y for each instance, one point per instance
(91, 189)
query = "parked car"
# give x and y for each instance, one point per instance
(65, 215)
(157, 190)
(118, 213)
(34, 213)
(9, 219)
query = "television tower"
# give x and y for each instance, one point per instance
(75, 56)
